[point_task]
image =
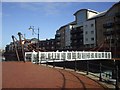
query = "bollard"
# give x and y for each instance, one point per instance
(46, 61)
(53, 62)
(87, 67)
(116, 85)
(75, 65)
(64, 63)
(100, 78)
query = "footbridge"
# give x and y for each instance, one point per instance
(43, 57)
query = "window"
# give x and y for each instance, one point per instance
(92, 32)
(85, 25)
(92, 25)
(86, 32)
(92, 39)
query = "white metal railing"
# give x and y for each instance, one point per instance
(65, 55)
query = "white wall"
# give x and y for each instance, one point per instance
(90, 14)
(89, 32)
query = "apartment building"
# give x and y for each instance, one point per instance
(78, 36)
(111, 27)
(60, 38)
(47, 45)
(107, 29)
(68, 29)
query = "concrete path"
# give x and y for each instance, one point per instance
(28, 75)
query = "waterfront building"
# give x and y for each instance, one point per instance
(68, 29)
(111, 27)
(78, 35)
(60, 38)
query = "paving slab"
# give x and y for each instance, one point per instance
(28, 75)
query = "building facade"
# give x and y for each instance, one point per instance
(78, 37)
(60, 38)
(111, 27)
(89, 34)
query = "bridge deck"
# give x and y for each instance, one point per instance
(28, 75)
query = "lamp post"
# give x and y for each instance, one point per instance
(33, 32)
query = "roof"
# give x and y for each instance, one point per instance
(104, 12)
(98, 15)
(86, 10)
(72, 23)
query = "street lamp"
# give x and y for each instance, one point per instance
(33, 32)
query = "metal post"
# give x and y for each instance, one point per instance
(100, 78)
(53, 60)
(64, 64)
(87, 67)
(38, 45)
(116, 85)
(75, 65)
(33, 32)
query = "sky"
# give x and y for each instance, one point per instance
(47, 16)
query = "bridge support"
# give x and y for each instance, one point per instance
(87, 67)
(116, 85)
(100, 78)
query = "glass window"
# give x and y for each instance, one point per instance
(92, 25)
(92, 32)
(92, 39)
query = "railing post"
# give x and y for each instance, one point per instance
(46, 58)
(87, 67)
(53, 60)
(40, 58)
(75, 65)
(64, 63)
(116, 85)
(100, 78)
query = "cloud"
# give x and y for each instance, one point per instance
(48, 8)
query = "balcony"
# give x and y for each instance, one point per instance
(117, 22)
(73, 38)
(76, 31)
(110, 41)
(77, 37)
(108, 25)
(117, 14)
(107, 33)
(118, 31)
(57, 35)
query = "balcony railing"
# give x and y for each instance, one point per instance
(107, 33)
(117, 22)
(108, 25)
(76, 31)
(117, 14)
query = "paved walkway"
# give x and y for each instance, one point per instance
(28, 75)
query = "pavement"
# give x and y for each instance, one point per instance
(27, 75)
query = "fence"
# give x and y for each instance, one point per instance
(46, 57)
(43, 57)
